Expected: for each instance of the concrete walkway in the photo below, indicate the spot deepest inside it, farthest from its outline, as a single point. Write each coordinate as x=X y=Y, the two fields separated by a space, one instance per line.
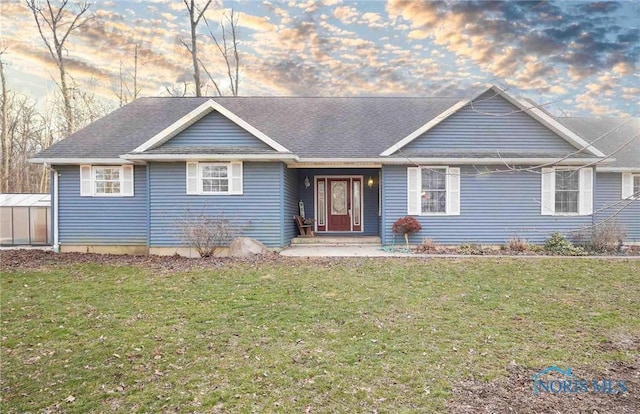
x=372 y=250
x=353 y=250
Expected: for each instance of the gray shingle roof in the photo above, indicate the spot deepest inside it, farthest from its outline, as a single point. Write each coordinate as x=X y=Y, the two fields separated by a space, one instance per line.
x=619 y=141
x=309 y=127
x=122 y=130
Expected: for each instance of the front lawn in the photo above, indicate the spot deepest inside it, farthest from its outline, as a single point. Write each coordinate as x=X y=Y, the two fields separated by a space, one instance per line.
x=301 y=335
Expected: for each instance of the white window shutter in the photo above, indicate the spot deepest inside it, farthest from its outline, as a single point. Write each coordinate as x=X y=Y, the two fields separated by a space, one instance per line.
x=548 y=193
x=585 y=207
x=235 y=178
x=85 y=181
x=414 y=184
x=192 y=178
x=627 y=185
x=127 y=180
x=453 y=191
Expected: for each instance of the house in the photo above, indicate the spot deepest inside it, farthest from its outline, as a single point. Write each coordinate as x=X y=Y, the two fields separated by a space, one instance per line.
x=482 y=169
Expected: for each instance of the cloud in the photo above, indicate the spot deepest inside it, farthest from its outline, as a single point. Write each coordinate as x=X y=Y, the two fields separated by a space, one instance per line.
x=345 y=14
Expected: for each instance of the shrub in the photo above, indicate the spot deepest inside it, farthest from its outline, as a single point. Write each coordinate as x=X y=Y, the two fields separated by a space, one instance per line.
x=607 y=237
x=558 y=244
x=427 y=246
x=406 y=225
x=518 y=244
x=471 y=248
x=206 y=234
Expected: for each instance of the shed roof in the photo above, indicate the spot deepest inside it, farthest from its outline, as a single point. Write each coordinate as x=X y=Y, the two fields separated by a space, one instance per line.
x=25 y=200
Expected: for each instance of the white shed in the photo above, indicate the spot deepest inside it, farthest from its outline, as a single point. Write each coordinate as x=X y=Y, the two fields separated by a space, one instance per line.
x=25 y=219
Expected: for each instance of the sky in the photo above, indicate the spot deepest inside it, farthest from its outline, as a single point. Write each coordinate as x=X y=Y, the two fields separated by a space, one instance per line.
x=577 y=58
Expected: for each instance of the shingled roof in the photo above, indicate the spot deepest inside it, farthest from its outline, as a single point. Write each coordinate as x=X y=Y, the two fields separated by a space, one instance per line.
x=618 y=138
x=310 y=127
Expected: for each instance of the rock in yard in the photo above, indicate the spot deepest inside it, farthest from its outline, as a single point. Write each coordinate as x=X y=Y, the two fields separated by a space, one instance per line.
x=245 y=247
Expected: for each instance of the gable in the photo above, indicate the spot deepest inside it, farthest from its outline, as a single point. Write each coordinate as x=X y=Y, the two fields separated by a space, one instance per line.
x=215 y=129
x=490 y=123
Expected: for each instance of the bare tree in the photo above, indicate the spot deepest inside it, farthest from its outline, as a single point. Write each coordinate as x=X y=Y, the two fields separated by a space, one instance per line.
x=6 y=143
x=59 y=22
x=177 y=90
x=128 y=91
x=228 y=50
x=195 y=14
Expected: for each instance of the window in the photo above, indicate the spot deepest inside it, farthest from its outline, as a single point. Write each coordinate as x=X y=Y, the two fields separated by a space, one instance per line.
x=214 y=178
x=433 y=191
x=567 y=191
x=631 y=185
x=106 y=180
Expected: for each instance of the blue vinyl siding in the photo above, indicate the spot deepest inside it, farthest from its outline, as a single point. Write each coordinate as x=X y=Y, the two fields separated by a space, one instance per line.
x=215 y=129
x=370 y=195
x=487 y=126
x=257 y=212
x=101 y=220
x=493 y=209
x=289 y=204
x=608 y=198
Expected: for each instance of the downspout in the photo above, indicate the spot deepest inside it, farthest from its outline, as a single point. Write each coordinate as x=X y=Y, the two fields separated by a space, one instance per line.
x=54 y=207
x=148 y=174
x=282 y=205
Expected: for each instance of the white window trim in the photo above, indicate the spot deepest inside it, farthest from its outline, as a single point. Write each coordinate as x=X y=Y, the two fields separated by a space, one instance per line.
x=585 y=196
x=452 y=206
x=627 y=186
x=236 y=182
x=88 y=181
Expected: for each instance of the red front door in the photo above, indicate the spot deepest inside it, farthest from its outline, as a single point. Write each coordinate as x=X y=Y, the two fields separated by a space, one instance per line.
x=339 y=204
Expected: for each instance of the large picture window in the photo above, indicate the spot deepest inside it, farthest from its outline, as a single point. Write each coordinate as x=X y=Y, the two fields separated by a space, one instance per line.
x=106 y=180
x=214 y=178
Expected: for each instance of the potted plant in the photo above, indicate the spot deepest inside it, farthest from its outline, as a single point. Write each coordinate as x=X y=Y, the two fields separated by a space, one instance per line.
x=406 y=225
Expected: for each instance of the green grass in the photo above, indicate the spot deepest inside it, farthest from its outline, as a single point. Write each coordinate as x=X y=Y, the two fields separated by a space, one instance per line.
x=288 y=336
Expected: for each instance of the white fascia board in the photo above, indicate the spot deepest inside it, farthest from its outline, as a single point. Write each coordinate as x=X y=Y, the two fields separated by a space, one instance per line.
x=435 y=121
x=618 y=169
x=198 y=113
x=79 y=161
x=210 y=157
x=549 y=122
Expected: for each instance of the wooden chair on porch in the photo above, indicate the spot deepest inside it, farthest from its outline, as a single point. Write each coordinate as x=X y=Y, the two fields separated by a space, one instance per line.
x=306 y=230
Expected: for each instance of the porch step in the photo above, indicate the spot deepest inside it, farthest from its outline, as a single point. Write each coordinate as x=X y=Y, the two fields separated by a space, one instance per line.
x=336 y=240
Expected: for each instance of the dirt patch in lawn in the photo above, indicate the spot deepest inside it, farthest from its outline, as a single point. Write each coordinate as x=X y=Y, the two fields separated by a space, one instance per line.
x=36 y=259
x=514 y=394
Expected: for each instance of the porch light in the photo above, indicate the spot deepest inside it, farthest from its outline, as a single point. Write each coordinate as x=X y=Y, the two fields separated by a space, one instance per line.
x=307 y=184
x=370 y=182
